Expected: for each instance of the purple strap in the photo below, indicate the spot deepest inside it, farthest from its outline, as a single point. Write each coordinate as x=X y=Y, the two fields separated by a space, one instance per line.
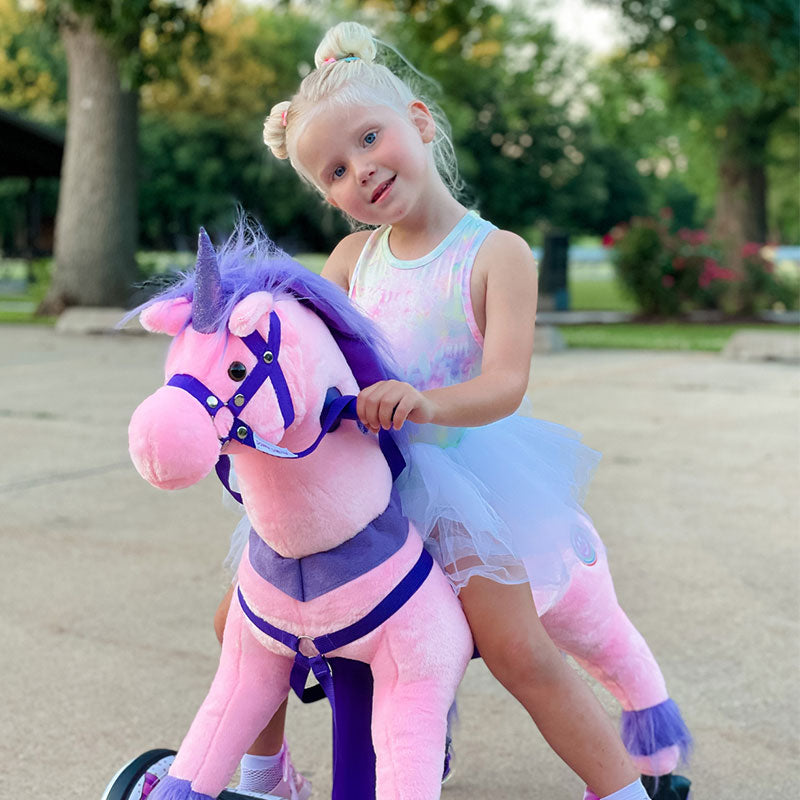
x=325 y=643
x=268 y=369
x=198 y=390
x=343 y=407
x=223 y=469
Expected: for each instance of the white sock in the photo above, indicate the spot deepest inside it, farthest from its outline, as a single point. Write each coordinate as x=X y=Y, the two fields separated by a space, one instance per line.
x=633 y=792
x=261 y=773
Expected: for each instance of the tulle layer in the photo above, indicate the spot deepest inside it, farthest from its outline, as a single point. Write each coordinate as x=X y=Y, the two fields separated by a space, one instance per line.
x=503 y=494
x=502 y=501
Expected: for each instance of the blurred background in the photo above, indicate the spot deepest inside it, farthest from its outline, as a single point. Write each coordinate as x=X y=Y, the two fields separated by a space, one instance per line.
x=646 y=149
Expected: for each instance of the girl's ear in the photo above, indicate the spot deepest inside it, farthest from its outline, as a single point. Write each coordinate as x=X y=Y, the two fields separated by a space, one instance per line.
x=331 y=201
x=422 y=119
x=248 y=312
x=166 y=316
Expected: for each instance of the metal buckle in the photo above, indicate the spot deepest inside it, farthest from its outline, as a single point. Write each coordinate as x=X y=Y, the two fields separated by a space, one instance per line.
x=310 y=646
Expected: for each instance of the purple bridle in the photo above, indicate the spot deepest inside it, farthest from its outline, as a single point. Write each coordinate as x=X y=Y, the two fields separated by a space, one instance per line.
x=268 y=368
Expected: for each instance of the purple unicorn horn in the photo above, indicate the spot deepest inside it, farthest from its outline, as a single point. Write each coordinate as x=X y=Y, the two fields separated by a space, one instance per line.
x=207 y=299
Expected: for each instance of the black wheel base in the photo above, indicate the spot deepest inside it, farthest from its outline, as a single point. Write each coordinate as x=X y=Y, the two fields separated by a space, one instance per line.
x=667 y=787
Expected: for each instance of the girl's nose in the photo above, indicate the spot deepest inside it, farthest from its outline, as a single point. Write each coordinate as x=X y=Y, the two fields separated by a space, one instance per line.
x=365 y=172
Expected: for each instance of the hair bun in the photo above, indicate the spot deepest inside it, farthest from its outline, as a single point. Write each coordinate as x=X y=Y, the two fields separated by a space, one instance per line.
x=275 y=129
x=346 y=39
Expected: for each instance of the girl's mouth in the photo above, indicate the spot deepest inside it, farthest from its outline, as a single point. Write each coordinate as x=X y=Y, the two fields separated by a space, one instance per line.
x=383 y=189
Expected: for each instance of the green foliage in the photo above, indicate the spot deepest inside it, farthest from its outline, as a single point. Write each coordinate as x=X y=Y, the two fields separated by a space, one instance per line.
x=673 y=272
x=196 y=171
x=146 y=35
x=202 y=154
x=783 y=179
x=33 y=73
x=719 y=55
x=508 y=87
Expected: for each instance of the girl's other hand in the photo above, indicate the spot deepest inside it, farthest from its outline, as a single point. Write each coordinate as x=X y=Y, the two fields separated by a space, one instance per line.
x=388 y=404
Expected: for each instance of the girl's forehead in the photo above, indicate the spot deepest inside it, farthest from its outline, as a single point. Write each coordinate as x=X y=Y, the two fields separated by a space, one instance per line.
x=336 y=123
x=346 y=116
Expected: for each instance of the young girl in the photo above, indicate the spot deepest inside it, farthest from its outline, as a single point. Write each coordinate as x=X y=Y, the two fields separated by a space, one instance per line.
x=456 y=298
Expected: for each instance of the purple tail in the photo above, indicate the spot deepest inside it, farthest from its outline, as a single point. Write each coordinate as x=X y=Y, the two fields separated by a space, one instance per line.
x=647 y=731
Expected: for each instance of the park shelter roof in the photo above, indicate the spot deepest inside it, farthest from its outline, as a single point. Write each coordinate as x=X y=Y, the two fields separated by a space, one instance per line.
x=27 y=149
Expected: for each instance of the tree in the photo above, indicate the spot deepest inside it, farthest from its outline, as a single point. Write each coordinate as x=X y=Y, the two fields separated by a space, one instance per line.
x=111 y=49
x=731 y=65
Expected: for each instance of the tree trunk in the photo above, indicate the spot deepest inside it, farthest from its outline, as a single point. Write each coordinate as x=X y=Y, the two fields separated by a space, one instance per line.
x=96 y=225
x=741 y=208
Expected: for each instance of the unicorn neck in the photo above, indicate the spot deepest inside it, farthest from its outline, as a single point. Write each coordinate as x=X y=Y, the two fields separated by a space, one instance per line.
x=308 y=505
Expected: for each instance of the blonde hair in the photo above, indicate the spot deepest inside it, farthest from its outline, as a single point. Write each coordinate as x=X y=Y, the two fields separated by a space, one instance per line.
x=347 y=73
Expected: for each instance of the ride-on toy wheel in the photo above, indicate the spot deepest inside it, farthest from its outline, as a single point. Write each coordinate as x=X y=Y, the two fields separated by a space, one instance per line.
x=139 y=777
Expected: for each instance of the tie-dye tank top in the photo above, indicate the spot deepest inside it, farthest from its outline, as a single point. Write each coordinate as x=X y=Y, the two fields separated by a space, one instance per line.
x=424 y=308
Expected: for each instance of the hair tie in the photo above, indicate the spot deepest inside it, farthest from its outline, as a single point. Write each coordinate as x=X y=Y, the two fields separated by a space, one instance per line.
x=283 y=117
x=333 y=60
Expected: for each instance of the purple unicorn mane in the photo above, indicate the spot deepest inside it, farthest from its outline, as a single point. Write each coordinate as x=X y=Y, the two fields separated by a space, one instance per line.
x=250 y=262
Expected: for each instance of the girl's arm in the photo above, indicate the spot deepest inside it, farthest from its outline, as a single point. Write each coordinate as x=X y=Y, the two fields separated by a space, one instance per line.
x=504 y=294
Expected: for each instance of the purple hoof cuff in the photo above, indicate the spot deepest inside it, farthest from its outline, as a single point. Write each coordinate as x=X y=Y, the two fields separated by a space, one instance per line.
x=652 y=729
x=170 y=788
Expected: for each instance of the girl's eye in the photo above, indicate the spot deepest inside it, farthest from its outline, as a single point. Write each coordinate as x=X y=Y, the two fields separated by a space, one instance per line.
x=338 y=172
x=370 y=137
x=237 y=371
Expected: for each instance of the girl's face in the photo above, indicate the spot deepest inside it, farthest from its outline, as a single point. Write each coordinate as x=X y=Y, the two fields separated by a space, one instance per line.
x=369 y=161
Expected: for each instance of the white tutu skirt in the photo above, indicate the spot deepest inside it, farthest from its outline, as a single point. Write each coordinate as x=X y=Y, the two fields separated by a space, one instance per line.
x=503 y=501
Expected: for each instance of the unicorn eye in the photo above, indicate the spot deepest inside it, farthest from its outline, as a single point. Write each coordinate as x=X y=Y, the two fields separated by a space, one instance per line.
x=237 y=371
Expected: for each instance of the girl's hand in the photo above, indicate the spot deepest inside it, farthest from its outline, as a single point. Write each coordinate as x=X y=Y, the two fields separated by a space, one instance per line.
x=389 y=404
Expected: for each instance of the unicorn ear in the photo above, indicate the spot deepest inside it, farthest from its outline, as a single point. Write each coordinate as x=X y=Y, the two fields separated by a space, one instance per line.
x=248 y=312
x=166 y=316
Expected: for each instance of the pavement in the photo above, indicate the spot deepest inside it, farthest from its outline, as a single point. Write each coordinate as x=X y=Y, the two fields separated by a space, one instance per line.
x=109 y=585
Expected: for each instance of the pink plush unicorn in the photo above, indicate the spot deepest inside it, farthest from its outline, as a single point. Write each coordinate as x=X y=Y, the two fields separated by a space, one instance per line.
x=264 y=364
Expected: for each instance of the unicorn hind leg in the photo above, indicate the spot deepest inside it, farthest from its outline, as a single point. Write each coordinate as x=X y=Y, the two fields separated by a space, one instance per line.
x=589 y=624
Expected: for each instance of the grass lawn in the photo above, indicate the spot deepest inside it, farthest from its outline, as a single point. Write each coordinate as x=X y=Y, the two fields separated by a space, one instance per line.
x=598 y=295
x=313 y=261
x=661 y=336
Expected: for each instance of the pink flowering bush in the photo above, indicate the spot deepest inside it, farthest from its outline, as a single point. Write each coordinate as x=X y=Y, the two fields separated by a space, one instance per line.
x=673 y=272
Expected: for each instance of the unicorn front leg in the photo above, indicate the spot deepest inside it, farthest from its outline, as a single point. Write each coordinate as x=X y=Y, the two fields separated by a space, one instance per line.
x=589 y=624
x=417 y=667
x=251 y=682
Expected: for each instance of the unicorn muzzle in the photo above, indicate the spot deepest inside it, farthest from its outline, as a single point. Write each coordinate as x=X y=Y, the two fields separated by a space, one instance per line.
x=173 y=441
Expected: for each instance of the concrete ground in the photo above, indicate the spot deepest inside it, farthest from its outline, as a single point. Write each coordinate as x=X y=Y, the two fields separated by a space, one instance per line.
x=109 y=585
